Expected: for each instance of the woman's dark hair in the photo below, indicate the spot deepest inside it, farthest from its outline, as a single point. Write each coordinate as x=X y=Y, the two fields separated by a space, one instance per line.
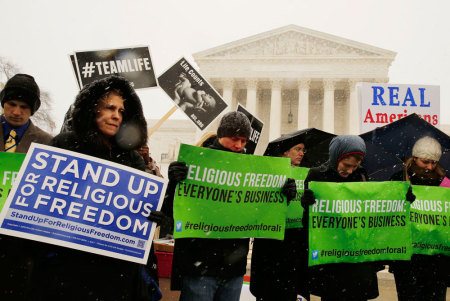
x=133 y=129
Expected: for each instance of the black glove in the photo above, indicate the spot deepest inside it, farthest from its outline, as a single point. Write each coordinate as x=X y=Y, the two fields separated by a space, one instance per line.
x=160 y=219
x=177 y=171
x=308 y=198
x=410 y=196
x=289 y=190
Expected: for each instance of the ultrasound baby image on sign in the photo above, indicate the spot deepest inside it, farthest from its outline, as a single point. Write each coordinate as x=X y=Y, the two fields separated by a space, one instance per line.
x=192 y=93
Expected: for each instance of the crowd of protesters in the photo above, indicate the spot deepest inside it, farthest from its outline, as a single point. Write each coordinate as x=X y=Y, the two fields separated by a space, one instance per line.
x=107 y=121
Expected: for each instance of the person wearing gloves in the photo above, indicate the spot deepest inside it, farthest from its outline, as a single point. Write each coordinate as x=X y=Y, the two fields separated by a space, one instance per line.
x=342 y=281
x=213 y=269
x=283 y=276
x=108 y=123
x=425 y=277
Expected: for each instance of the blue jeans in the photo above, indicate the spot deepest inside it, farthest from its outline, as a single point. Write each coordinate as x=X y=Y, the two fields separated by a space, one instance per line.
x=211 y=288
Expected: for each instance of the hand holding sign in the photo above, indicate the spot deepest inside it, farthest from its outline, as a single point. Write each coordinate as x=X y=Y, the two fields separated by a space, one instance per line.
x=160 y=219
x=308 y=198
x=289 y=190
x=177 y=172
x=410 y=196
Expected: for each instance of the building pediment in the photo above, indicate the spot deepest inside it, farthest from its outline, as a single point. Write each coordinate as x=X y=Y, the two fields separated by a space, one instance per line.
x=294 y=41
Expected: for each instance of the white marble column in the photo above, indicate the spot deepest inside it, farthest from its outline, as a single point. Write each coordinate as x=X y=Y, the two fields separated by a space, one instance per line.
x=303 y=103
x=252 y=85
x=328 y=105
x=227 y=94
x=353 y=108
x=275 y=110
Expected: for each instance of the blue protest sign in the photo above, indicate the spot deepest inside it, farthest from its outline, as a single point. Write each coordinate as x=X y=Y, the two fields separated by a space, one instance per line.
x=82 y=202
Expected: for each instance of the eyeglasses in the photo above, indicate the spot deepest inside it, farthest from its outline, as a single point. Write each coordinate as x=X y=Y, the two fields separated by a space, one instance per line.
x=299 y=149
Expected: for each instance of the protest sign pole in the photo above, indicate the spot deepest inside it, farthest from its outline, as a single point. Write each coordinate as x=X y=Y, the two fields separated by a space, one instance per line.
x=162 y=120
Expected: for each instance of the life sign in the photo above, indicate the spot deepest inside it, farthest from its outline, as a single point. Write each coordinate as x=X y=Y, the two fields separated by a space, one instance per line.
x=133 y=63
x=382 y=103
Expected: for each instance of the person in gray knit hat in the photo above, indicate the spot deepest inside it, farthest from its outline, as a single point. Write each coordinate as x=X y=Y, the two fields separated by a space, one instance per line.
x=342 y=281
x=424 y=277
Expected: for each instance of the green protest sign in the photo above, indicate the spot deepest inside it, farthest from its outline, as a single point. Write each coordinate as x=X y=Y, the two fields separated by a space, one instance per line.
x=9 y=168
x=295 y=210
x=358 y=222
x=430 y=220
x=229 y=195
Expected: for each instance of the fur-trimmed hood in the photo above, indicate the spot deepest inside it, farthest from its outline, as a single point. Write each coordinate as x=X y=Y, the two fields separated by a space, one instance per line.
x=133 y=130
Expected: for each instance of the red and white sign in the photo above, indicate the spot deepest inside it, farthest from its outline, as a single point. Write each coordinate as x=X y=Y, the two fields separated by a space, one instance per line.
x=382 y=103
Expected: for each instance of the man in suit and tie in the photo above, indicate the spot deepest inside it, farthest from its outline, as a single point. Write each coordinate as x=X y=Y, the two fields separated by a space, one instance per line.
x=20 y=99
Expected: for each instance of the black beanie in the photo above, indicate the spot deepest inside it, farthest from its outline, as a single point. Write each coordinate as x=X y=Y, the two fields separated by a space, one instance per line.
x=22 y=87
x=234 y=124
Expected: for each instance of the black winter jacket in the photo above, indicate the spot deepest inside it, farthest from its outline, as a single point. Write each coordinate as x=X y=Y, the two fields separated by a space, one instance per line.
x=279 y=267
x=341 y=281
x=225 y=258
x=68 y=274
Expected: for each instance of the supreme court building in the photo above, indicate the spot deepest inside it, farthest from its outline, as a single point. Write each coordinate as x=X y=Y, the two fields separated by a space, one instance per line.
x=291 y=78
x=294 y=78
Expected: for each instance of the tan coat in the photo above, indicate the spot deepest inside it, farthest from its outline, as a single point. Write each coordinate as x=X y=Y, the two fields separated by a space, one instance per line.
x=32 y=134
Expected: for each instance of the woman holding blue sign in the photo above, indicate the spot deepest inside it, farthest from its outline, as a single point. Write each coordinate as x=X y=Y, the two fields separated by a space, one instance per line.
x=108 y=123
x=425 y=277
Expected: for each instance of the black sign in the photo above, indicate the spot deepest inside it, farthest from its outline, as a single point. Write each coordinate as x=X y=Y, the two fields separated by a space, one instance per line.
x=135 y=64
x=192 y=93
x=74 y=66
x=257 y=126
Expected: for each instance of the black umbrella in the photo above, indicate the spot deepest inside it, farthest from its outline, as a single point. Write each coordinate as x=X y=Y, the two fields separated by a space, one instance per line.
x=316 y=143
x=389 y=146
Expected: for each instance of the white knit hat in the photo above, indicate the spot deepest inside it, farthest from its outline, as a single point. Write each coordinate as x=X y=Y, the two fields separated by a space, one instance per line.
x=427 y=148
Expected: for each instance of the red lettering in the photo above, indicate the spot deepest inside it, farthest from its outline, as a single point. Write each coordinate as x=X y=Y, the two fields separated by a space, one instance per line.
x=435 y=119
x=381 y=118
x=369 y=116
x=392 y=118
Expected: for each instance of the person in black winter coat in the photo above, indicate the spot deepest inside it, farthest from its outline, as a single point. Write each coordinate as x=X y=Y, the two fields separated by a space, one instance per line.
x=206 y=269
x=108 y=123
x=425 y=277
x=212 y=269
x=341 y=281
x=279 y=267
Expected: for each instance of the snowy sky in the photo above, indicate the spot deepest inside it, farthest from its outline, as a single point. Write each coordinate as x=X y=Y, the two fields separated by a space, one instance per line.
x=38 y=36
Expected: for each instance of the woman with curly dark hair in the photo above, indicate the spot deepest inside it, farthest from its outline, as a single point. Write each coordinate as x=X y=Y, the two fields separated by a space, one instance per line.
x=107 y=123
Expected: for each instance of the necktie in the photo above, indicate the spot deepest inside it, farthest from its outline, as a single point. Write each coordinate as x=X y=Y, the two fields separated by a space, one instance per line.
x=10 y=145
